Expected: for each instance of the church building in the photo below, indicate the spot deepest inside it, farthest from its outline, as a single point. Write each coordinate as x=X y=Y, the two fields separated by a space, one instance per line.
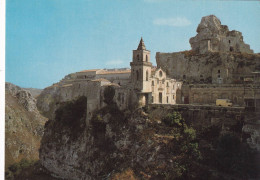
x=151 y=83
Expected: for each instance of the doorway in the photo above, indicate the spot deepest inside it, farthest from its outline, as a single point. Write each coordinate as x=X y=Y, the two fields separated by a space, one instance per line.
x=160 y=97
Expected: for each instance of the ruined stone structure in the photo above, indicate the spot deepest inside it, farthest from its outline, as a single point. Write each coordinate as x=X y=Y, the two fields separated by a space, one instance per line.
x=214 y=37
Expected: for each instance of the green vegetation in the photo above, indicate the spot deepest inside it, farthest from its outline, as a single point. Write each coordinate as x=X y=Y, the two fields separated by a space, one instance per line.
x=184 y=147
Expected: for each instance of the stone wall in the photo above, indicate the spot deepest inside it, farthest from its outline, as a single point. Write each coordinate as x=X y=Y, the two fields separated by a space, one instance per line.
x=201 y=116
x=230 y=68
x=207 y=94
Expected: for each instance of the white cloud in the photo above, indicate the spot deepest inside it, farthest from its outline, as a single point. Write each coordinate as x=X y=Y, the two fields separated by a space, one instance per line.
x=114 y=62
x=177 y=21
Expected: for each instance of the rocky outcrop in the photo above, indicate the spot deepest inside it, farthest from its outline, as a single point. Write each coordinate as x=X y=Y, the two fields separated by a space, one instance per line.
x=214 y=37
x=114 y=141
x=23 y=125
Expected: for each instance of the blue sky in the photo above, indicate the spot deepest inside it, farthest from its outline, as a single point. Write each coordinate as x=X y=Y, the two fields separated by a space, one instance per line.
x=48 y=39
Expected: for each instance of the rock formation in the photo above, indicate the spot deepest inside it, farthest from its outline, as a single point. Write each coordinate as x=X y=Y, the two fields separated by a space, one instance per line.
x=214 y=37
x=114 y=141
x=23 y=125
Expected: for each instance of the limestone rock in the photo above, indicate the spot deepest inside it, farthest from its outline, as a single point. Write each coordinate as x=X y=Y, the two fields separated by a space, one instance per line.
x=214 y=37
x=23 y=125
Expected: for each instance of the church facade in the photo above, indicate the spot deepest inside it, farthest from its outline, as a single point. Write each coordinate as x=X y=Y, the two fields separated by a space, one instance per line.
x=151 y=83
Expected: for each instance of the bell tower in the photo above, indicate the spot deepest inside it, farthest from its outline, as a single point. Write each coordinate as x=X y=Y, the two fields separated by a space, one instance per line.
x=141 y=68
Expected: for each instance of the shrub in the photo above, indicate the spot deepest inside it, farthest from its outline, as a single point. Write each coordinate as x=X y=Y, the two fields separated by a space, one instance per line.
x=184 y=145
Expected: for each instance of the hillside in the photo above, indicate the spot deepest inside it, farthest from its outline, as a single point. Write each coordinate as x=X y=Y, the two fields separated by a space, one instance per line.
x=23 y=125
x=34 y=91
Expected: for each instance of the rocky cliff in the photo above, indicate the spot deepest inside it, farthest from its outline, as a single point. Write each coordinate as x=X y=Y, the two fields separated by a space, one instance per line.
x=214 y=37
x=23 y=125
x=115 y=143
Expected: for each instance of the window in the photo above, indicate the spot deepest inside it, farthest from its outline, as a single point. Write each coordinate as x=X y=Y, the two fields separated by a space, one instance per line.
x=167 y=99
x=146 y=58
x=219 y=71
x=147 y=74
x=231 y=49
x=160 y=73
x=137 y=75
x=137 y=57
x=229 y=41
x=167 y=84
x=85 y=77
x=152 y=83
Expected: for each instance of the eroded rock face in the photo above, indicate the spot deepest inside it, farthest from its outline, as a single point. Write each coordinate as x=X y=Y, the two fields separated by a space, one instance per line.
x=23 y=125
x=72 y=149
x=214 y=37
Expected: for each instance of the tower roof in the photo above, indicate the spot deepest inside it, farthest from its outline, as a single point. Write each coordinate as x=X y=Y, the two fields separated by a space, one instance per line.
x=141 y=45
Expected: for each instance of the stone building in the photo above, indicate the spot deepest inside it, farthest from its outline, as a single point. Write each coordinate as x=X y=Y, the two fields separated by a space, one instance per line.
x=143 y=84
x=151 y=84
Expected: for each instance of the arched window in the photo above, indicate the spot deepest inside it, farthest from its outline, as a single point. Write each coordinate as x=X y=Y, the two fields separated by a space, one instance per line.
x=146 y=58
x=160 y=73
x=147 y=75
x=137 y=57
x=137 y=75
